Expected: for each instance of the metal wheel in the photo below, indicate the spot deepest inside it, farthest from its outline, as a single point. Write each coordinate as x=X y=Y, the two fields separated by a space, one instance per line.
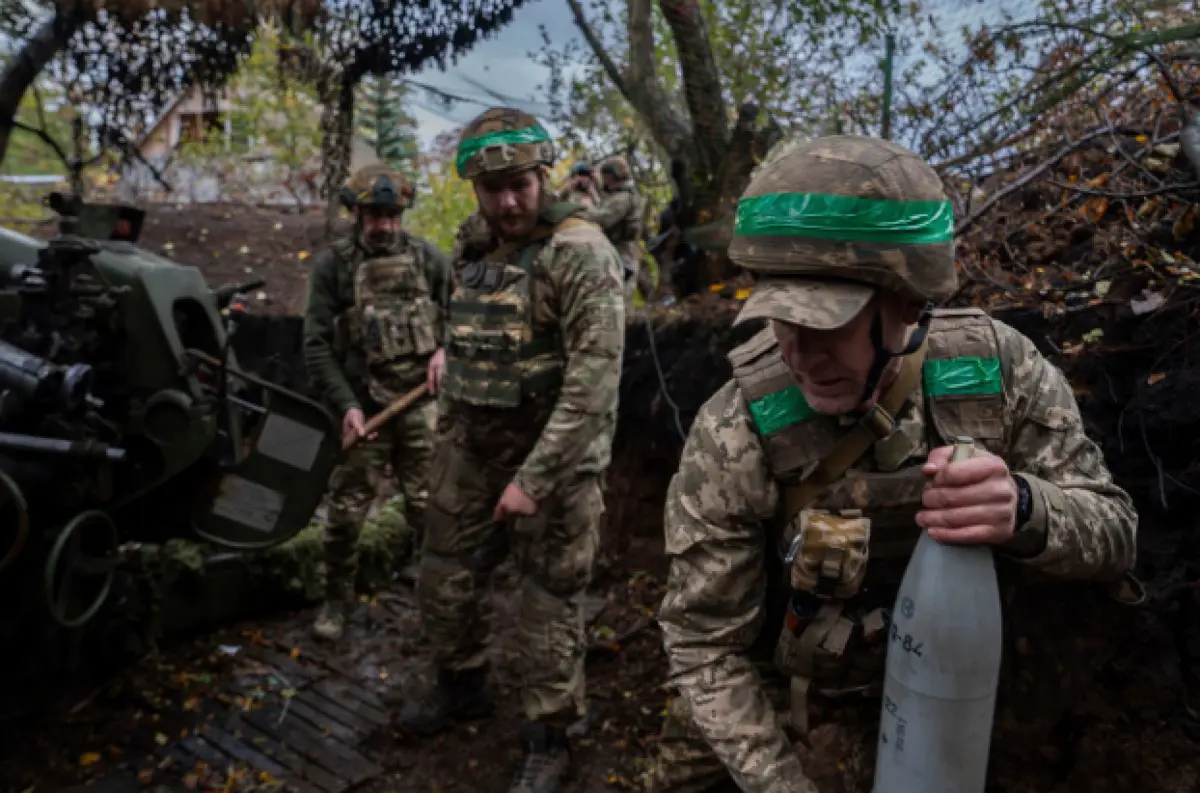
x=82 y=558
x=14 y=512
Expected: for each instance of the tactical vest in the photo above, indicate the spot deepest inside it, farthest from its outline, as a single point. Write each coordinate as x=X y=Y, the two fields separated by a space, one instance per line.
x=394 y=315
x=839 y=644
x=633 y=224
x=493 y=358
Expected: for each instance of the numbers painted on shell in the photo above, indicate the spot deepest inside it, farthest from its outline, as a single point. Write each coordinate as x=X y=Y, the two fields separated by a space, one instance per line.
x=907 y=642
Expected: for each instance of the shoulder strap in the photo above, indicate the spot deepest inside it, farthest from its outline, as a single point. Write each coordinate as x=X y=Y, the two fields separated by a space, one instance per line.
x=877 y=424
x=759 y=344
x=571 y=223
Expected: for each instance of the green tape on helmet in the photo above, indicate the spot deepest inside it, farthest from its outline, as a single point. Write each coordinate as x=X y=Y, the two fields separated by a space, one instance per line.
x=848 y=218
x=471 y=147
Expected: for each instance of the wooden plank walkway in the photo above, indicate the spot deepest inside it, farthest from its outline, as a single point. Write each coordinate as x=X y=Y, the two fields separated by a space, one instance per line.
x=301 y=721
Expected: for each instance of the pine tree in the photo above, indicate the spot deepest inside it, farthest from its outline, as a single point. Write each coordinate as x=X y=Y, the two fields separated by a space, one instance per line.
x=384 y=123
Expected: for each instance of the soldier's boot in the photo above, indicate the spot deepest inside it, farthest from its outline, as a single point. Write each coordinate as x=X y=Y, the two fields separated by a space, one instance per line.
x=331 y=621
x=410 y=570
x=547 y=759
x=454 y=697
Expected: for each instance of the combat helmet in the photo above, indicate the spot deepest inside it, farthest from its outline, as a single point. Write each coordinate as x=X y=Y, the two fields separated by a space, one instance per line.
x=827 y=222
x=854 y=212
x=503 y=139
x=377 y=185
x=615 y=166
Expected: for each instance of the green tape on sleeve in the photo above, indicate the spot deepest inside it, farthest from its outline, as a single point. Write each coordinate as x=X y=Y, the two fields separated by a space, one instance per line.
x=472 y=146
x=969 y=376
x=849 y=218
x=781 y=409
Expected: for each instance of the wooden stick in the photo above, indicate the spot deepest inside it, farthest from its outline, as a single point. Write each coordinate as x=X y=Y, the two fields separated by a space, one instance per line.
x=387 y=414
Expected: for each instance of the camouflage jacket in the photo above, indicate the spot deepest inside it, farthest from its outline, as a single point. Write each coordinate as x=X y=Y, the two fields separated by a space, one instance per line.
x=720 y=506
x=620 y=215
x=338 y=367
x=569 y=302
x=574 y=195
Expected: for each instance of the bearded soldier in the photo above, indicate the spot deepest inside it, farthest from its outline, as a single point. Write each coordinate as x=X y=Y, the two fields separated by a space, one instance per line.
x=373 y=323
x=621 y=215
x=528 y=397
x=834 y=438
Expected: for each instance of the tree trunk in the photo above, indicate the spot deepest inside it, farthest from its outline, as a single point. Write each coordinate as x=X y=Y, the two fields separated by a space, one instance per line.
x=24 y=67
x=338 y=126
x=710 y=161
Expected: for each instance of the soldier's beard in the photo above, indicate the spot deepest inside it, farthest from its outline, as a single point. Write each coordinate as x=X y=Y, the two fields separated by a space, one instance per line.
x=518 y=221
x=379 y=239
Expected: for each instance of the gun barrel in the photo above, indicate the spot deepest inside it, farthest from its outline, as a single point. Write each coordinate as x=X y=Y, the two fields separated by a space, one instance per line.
x=34 y=443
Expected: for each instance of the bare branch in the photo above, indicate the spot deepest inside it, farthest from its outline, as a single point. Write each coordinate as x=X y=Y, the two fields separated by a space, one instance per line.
x=1170 y=188
x=45 y=138
x=606 y=61
x=1025 y=179
x=23 y=67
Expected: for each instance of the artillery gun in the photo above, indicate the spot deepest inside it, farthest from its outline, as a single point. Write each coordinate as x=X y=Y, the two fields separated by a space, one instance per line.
x=124 y=419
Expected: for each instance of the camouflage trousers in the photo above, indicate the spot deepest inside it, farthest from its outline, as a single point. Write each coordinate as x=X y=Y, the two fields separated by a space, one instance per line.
x=406 y=442
x=554 y=552
x=838 y=753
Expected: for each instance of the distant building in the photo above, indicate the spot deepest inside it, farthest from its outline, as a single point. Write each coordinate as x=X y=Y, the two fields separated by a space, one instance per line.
x=250 y=178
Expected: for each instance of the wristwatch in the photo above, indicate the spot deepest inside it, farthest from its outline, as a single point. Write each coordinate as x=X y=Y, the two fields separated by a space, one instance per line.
x=1024 y=501
x=1027 y=541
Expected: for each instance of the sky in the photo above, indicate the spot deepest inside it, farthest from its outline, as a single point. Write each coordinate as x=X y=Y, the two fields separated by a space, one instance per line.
x=500 y=64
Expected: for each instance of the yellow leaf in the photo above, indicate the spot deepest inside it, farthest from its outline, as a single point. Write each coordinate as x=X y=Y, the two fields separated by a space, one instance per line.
x=89 y=758
x=1141 y=138
x=742 y=294
x=715 y=287
x=1157 y=377
x=160 y=739
x=295 y=653
x=302 y=255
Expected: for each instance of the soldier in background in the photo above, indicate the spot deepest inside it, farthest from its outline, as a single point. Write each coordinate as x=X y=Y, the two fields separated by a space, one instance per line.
x=524 y=439
x=622 y=216
x=852 y=242
x=581 y=186
x=374 y=319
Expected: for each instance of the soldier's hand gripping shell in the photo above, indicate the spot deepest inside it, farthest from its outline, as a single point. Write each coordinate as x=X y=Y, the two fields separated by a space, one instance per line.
x=968 y=502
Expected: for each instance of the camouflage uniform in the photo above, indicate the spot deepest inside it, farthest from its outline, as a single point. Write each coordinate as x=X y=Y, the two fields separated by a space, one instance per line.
x=529 y=396
x=374 y=319
x=581 y=191
x=731 y=641
x=621 y=214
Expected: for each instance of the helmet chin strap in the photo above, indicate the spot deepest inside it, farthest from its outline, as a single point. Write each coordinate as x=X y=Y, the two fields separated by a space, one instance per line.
x=883 y=356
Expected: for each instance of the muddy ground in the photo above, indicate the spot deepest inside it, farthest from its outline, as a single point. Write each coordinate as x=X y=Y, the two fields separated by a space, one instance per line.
x=1123 y=705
